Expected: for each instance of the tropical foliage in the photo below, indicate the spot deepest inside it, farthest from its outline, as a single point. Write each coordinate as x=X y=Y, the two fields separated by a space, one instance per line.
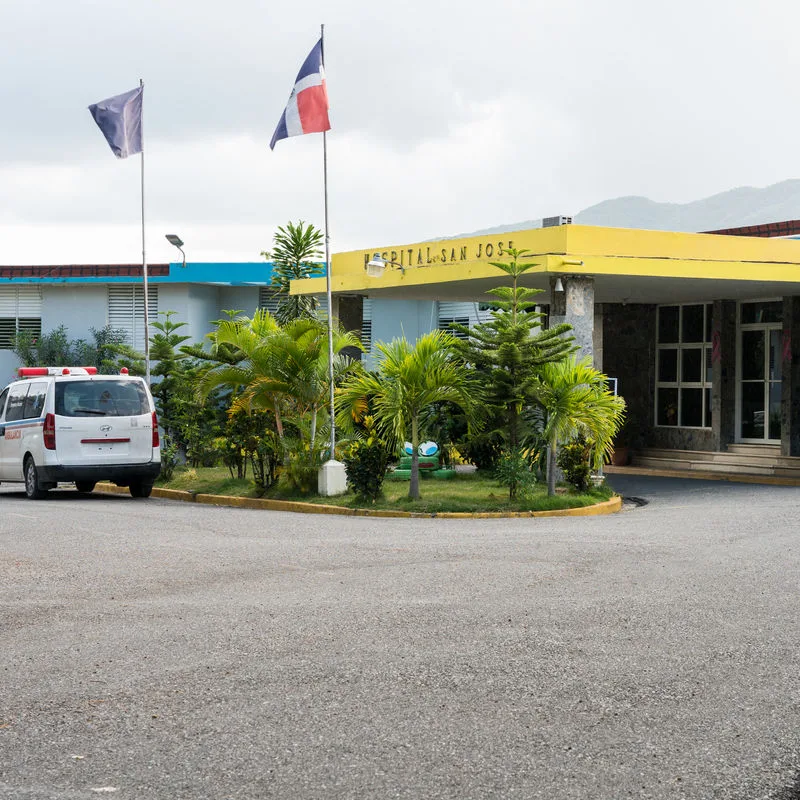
x=108 y=350
x=295 y=254
x=408 y=380
x=366 y=460
x=509 y=349
x=283 y=370
x=576 y=402
x=190 y=426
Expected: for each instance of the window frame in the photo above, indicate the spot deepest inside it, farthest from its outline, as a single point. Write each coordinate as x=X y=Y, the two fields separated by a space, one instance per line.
x=20 y=309
x=125 y=311
x=680 y=347
x=18 y=390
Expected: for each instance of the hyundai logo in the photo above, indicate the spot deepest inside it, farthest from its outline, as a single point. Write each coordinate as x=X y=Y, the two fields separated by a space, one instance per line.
x=105 y=428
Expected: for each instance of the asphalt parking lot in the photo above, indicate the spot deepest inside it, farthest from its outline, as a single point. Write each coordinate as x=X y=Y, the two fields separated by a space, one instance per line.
x=152 y=649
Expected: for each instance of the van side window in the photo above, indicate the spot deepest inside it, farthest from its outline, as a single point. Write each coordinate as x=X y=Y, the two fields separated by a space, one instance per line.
x=16 y=402
x=34 y=402
x=3 y=397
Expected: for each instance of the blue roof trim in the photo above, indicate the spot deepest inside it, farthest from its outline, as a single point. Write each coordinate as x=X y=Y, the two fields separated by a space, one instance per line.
x=231 y=273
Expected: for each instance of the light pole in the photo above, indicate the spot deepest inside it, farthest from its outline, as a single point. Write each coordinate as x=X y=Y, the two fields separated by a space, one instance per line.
x=176 y=241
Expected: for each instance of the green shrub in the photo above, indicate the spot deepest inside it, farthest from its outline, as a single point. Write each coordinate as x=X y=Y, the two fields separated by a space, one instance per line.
x=300 y=470
x=484 y=450
x=574 y=459
x=250 y=438
x=366 y=463
x=513 y=469
x=265 y=458
x=169 y=458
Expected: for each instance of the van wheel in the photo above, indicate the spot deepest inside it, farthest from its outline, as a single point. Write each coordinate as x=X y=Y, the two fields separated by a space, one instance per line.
x=140 y=489
x=84 y=487
x=33 y=489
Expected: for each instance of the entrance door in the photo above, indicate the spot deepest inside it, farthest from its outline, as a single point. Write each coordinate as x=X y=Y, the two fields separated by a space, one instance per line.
x=760 y=375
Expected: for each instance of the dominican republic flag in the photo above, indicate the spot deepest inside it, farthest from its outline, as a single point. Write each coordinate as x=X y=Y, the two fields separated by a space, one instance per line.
x=307 y=109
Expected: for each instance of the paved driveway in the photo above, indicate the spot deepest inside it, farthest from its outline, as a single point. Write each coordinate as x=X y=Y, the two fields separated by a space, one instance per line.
x=152 y=649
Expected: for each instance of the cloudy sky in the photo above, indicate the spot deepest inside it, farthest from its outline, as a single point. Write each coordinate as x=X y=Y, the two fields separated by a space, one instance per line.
x=447 y=117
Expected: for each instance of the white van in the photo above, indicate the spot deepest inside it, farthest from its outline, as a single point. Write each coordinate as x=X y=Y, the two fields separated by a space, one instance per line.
x=71 y=424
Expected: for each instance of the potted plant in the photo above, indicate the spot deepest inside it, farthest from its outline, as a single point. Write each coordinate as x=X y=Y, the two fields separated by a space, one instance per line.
x=629 y=438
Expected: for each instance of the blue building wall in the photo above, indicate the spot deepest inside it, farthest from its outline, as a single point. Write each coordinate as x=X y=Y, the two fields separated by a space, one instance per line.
x=199 y=293
x=78 y=308
x=394 y=318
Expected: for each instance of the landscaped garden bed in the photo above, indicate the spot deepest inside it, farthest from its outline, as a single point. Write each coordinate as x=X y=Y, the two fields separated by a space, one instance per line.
x=466 y=492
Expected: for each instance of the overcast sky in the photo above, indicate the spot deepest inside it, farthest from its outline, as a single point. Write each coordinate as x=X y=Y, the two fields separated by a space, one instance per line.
x=446 y=117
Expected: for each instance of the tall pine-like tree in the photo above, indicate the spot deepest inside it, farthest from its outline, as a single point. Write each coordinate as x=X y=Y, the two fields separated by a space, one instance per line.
x=510 y=349
x=296 y=254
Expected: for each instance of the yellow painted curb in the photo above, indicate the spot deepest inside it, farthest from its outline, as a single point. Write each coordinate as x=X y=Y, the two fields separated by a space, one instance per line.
x=698 y=474
x=606 y=507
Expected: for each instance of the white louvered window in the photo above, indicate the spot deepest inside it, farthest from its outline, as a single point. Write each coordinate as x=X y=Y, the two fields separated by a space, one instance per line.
x=366 y=325
x=468 y=314
x=126 y=312
x=20 y=311
x=268 y=298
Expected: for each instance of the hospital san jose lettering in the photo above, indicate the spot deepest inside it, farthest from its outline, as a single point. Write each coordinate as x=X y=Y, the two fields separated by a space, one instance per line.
x=422 y=256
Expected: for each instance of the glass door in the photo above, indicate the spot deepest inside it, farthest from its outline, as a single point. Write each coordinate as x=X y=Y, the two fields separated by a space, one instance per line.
x=760 y=383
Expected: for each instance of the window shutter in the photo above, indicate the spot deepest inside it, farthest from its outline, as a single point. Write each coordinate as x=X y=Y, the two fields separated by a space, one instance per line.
x=29 y=301
x=126 y=311
x=268 y=298
x=462 y=313
x=366 y=325
x=20 y=310
x=8 y=302
x=8 y=330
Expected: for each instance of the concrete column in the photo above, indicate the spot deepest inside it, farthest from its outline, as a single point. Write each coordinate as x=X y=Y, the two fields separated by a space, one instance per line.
x=598 y=336
x=723 y=374
x=575 y=305
x=790 y=381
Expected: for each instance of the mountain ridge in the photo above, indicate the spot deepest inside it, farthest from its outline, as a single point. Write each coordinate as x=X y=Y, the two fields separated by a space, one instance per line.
x=743 y=205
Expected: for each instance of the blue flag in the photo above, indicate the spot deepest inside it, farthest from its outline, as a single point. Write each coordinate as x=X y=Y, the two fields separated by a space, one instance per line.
x=120 y=120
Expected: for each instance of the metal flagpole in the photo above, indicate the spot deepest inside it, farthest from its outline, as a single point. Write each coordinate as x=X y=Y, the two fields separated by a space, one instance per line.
x=328 y=270
x=144 y=264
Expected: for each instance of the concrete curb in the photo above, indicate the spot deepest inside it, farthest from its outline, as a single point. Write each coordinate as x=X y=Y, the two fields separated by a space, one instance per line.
x=702 y=475
x=607 y=507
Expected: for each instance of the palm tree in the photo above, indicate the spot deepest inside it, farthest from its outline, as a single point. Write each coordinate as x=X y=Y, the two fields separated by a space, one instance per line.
x=408 y=380
x=298 y=370
x=239 y=347
x=283 y=369
x=575 y=400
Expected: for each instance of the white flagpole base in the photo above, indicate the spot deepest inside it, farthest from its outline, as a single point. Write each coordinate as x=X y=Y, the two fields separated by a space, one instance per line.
x=332 y=479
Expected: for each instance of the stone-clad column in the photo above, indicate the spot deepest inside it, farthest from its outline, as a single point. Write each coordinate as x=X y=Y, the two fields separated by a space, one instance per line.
x=723 y=374
x=790 y=380
x=575 y=305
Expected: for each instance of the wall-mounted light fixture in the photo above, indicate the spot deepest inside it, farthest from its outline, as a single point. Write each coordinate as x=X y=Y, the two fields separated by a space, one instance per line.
x=572 y=262
x=377 y=266
x=559 y=287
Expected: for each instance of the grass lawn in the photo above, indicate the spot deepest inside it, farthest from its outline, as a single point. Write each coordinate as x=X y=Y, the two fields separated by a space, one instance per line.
x=465 y=492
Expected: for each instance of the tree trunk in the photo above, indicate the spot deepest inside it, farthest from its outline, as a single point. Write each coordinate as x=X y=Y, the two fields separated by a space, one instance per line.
x=551 y=468
x=413 y=487
x=314 y=430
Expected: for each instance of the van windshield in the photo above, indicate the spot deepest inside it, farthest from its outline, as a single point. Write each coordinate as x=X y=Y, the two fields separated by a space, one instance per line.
x=101 y=398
